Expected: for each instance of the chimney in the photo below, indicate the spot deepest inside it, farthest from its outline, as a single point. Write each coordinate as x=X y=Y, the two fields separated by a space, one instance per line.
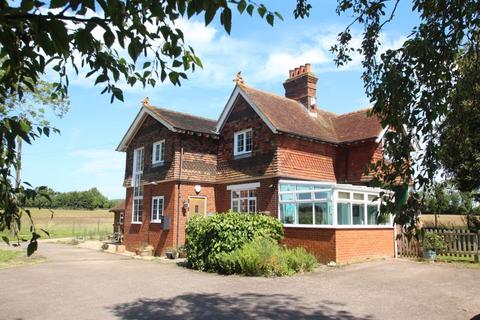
x=301 y=85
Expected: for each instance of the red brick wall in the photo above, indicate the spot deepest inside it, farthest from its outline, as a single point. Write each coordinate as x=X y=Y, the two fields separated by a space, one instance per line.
x=352 y=160
x=359 y=244
x=320 y=242
x=151 y=233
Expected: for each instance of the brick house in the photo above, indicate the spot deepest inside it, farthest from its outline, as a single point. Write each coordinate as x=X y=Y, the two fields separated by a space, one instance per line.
x=280 y=155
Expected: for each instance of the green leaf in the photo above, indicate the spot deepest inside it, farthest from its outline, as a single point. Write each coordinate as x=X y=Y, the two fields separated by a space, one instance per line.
x=32 y=247
x=270 y=19
x=241 y=6
x=109 y=38
x=250 y=9
x=227 y=19
x=210 y=14
x=6 y=240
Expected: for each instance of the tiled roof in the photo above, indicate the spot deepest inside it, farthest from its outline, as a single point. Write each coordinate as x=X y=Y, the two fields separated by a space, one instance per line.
x=356 y=126
x=290 y=116
x=120 y=206
x=184 y=121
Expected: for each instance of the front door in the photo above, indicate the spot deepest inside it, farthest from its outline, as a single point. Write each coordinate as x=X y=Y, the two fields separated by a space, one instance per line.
x=198 y=205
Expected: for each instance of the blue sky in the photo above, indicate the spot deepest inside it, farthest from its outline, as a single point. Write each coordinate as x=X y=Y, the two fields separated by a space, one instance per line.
x=84 y=156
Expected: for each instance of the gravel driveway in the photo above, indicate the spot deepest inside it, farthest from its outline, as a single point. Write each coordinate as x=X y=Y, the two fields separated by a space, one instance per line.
x=84 y=284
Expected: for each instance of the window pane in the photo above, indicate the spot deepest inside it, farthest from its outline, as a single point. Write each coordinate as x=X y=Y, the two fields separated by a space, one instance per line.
x=372 y=213
x=235 y=194
x=243 y=193
x=304 y=196
x=248 y=141
x=323 y=213
x=372 y=197
x=305 y=213
x=358 y=196
x=287 y=187
x=287 y=197
x=235 y=205
x=344 y=195
x=243 y=205
x=252 y=205
x=358 y=213
x=160 y=208
x=240 y=142
x=322 y=195
x=343 y=213
x=162 y=151
x=252 y=193
x=287 y=213
x=304 y=187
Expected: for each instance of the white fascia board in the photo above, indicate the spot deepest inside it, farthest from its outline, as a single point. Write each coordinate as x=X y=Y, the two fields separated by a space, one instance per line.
x=381 y=134
x=244 y=186
x=132 y=130
x=228 y=108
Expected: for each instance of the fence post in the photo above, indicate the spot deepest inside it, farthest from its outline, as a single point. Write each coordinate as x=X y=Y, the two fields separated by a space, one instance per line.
x=476 y=244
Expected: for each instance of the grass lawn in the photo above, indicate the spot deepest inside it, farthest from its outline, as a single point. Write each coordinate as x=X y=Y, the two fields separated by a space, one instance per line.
x=465 y=262
x=14 y=258
x=67 y=223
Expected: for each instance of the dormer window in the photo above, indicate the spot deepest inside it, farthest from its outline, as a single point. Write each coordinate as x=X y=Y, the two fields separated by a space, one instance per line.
x=242 y=142
x=158 y=152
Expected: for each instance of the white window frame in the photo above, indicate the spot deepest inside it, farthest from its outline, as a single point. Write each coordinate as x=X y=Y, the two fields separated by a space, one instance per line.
x=137 y=183
x=236 y=136
x=161 y=154
x=246 y=187
x=159 y=213
x=336 y=188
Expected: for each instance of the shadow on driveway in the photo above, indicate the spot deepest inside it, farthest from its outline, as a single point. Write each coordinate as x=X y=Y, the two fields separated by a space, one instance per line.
x=241 y=306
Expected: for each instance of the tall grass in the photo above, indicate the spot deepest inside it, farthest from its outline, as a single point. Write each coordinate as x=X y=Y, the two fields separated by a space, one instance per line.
x=85 y=224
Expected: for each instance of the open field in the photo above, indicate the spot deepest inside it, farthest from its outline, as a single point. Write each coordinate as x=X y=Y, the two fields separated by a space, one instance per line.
x=444 y=220
x=68 y=223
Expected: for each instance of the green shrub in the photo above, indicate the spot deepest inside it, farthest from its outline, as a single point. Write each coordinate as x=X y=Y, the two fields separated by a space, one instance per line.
x=264 y=257
x=208 y=237
x=433 y=241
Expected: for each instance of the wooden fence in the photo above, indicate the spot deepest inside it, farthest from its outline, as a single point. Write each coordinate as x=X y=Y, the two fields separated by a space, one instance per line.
x=460 y=243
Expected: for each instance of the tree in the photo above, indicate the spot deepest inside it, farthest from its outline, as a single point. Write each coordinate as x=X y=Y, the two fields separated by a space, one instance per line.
x=419 y=91
x=20 y=115
x=70 y=35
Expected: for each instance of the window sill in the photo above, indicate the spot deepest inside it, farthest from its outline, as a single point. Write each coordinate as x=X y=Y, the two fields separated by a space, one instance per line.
x=156 y=221
x=242 y=155
x=136 y=223
x=158 y=164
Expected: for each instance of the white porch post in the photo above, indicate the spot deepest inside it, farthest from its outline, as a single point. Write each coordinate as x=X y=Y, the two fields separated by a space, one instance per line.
x=334 y=204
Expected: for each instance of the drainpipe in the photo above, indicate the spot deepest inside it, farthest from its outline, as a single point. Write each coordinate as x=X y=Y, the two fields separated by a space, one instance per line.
x=179 y=198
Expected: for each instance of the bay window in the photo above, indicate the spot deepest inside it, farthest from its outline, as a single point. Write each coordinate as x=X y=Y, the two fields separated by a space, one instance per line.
x=326 y=204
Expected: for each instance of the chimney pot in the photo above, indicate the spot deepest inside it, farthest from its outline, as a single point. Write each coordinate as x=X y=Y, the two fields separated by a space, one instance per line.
x=302 y=86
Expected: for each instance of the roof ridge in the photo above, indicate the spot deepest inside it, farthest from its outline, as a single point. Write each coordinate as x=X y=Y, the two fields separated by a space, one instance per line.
x=352 y=112
x=182 y=113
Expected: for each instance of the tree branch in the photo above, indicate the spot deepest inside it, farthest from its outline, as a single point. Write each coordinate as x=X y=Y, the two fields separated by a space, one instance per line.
x=31 y=16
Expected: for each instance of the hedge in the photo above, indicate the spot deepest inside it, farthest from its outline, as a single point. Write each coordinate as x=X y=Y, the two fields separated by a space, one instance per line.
x=206 y=238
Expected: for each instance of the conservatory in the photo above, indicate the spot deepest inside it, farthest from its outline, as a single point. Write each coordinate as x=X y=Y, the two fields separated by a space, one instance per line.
x=308 y=204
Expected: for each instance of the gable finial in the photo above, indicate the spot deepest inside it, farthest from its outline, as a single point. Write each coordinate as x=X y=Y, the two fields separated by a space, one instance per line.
x=239 y=79
x=146 y=102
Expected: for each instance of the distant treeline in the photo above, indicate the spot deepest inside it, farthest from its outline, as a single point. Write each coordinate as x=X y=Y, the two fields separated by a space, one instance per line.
x=89 y=199
x=443 y=198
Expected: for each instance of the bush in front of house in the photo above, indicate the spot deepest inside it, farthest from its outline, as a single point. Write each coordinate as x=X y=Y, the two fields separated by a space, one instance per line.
x=264 y=257
x=206 y=238
x=434 y=242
